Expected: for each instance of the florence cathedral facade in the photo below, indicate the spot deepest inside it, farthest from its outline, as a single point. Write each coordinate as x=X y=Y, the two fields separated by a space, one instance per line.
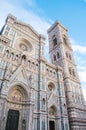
x=36 y=94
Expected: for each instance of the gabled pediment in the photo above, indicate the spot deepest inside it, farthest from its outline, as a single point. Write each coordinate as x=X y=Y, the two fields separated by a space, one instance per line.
x=23 y=27
x=26 y=28
x=20 y=75
x=52 y=100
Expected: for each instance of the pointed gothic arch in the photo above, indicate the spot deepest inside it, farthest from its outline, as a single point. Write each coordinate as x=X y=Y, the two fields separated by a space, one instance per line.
x=17 y=99
x=19 y=86
x=52 y=117
x=53 y=110
x=17 y=93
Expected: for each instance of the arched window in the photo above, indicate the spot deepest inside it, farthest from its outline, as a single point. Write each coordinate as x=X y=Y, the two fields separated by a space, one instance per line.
x=54 y=57
x=70 y=71
x=54 y=40
x=58 y=55
x=67 y=54
x=7 y=53
x=65 y=40
x=24 y=57
x=12 y=56
x=52 y=111
x=17 y=57
x=70 y=56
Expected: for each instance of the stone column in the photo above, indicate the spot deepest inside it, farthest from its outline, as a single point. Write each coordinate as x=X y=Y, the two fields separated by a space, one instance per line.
x=30 y=110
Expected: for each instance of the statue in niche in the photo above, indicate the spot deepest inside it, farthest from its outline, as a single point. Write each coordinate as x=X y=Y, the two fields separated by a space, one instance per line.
x=31 y=79
x=43 y=103
x=24 y=124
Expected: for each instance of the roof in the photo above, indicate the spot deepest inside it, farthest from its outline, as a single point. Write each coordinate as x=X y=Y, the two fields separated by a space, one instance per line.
x=56 y=24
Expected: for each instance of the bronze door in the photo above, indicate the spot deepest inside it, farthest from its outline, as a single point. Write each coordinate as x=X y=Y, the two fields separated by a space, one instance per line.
x=51 y=125
x=12 y=120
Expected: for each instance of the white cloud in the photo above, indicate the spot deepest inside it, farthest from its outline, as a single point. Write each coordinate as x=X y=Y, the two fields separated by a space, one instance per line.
x=80 y=59
x=81 y=66
x=78 y=48
x=82 y=75
x=38 y=22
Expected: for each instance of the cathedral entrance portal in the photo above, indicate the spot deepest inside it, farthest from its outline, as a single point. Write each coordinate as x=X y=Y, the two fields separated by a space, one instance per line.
x=52 y=118
x=51 y=125
x=12 y=120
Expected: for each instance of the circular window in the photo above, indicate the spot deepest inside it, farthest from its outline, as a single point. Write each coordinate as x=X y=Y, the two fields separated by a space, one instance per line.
x=23 y=47
x=51 y=87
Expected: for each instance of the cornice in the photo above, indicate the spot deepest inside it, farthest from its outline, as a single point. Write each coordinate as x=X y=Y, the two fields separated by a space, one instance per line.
x=54 y=25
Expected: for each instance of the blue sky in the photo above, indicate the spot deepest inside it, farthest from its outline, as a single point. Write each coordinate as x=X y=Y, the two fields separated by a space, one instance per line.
x=41 y=14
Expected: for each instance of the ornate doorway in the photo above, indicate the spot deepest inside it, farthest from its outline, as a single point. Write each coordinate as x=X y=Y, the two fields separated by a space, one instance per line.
x=12 y=120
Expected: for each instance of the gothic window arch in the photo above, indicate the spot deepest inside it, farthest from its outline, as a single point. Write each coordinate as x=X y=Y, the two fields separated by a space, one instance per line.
x=54 y=40
x=70 y=56
x=7 y=53
x=58 y=55
x=67 y=54
x=52 y=111
x=24 y=57
x=16 y=57
x=70 y=71
x=17 y=94
x=12 y=56
x=54 y=57
x=65 y=40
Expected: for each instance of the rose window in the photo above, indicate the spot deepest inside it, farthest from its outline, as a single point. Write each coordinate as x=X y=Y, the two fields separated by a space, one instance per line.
x=23 y=47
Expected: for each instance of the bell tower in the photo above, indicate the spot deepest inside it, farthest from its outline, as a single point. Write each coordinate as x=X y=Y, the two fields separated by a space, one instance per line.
x=61 y=54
